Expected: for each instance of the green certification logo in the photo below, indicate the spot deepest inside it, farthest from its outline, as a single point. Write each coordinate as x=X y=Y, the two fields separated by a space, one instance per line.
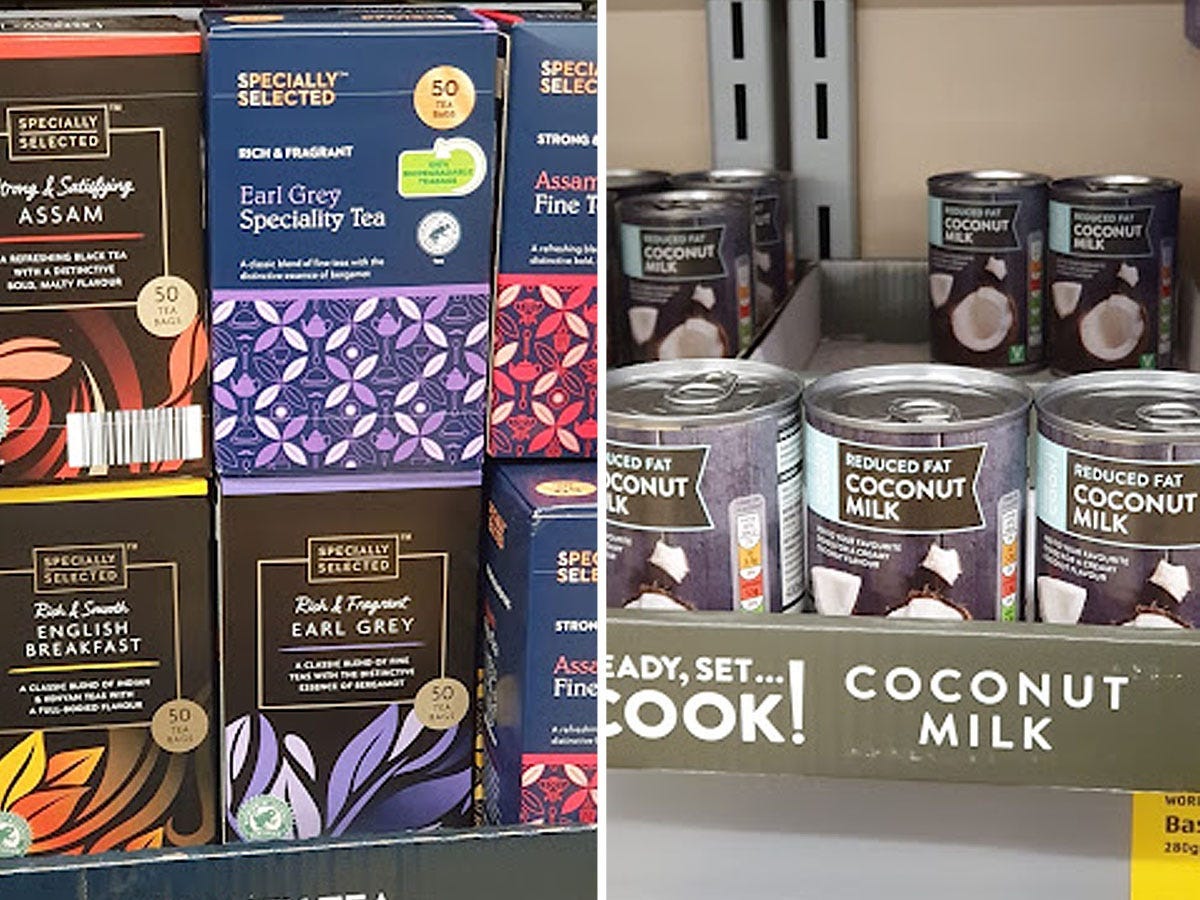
x=264 y=818
x=453 y=167
x=15 y=836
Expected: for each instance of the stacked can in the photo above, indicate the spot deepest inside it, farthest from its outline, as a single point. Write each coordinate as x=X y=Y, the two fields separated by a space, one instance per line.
x=350 y=354
x=1111 y=270
x=105 y=563
x=774 y=198
x=621 y=184
x=687 y=276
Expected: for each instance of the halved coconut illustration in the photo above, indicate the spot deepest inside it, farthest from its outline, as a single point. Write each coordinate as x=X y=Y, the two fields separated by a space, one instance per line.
x=940 y=284
x=695 y=338
x=642 y=321
x=984 y=320
x=937 y=573
x=1112 y=329
x=1153 y=617
x=1060 y=601
x=652 y=599
x=1066 y=297
x=929 y=606
x=835 y=592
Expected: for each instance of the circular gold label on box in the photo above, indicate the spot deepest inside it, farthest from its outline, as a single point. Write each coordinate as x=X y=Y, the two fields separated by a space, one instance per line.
x=444 y=97
x=565 y=488
x=167 y=305
x=179 y=726
x=442 y=703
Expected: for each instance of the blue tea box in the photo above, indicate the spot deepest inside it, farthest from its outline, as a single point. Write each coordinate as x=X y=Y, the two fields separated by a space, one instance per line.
x=351 y=158
x=540 y=568
x=544 y=372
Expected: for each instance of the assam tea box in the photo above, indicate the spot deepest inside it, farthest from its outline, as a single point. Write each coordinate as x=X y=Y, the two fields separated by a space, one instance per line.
x=108 y=732
x=350 y=173
x=544 y=393
x=540 y=570
x=103 y=344
x=348 y=615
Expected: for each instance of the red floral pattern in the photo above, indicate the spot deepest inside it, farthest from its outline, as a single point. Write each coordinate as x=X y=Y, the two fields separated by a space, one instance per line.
x=558 y=789
x=544 y=372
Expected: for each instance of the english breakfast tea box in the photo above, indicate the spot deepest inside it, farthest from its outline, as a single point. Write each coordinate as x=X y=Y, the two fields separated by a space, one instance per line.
x=540 y=569
x=348 y=617
x=108 y=730
x=103 y=344
x=544 y=365
x=350 y=173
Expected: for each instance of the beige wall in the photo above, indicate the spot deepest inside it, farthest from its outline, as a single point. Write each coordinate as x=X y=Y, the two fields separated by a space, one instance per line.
x=657 y=81
x=1060 y=87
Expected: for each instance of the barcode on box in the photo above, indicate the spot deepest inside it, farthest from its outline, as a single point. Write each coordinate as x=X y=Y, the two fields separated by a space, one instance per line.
x=125 y=437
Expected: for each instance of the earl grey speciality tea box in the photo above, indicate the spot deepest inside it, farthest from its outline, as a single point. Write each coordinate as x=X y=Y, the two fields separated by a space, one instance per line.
x=348 y=638
x=107 y=726
x=103 y=348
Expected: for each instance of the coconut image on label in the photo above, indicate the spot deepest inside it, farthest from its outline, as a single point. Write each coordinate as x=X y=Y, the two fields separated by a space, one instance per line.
x=774 y=232
x=686 y=283
x=986 y=238
x=1111 y=269
x=703 y=487
x=915 y=490
x=1118 y=494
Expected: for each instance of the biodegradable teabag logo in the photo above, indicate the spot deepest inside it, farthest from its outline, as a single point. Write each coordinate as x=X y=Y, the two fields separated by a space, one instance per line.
x=57 y=132
x=15 y=835
x=356 y=557
x=61 y=570
x=264 y=818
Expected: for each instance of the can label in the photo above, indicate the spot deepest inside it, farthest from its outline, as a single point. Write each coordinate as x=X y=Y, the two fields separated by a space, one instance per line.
x=985 y=280
x=687 y=291
x=711 y=522
x=929 y=531
x=774 y=262
x=1112 y=285
x=1117 y=538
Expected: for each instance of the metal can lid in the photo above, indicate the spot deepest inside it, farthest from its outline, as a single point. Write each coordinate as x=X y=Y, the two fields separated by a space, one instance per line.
x=670 y=206
x=737 y=179
x=689 y=393
x=622 y=180
x=1112 y=187
x=985 y=181
x=921 y=398
x=1124 y=406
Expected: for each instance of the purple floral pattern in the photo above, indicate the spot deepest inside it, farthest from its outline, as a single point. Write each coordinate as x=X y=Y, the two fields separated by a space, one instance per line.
x=324 y=381
x=392 y=774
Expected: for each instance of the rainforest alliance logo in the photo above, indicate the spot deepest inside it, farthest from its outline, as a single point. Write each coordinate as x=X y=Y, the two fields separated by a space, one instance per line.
x=265 y=818
x=15 y=836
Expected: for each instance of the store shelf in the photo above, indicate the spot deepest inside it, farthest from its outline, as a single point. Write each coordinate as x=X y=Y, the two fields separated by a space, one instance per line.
x=808 y=695
x=521 y=864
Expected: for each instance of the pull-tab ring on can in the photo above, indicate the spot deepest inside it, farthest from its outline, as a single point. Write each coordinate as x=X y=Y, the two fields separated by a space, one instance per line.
x=706 y=390
x=923 y=409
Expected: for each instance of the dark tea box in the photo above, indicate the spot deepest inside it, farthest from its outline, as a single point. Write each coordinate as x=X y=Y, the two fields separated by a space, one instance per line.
x=544 y=376
x=540 y=569
x=350 y=158
x=103 y=347
x=348 y=618
x=107 y=723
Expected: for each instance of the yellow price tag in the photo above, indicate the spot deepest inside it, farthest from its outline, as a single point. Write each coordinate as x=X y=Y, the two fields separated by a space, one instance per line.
x=1165 y=850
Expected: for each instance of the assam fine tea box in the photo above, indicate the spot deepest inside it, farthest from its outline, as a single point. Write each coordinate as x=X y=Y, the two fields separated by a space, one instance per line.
x=350 y=172
x=103 y=348
x=540 y=568
x=348 y=616
x=545 y=399
x=108 y=732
